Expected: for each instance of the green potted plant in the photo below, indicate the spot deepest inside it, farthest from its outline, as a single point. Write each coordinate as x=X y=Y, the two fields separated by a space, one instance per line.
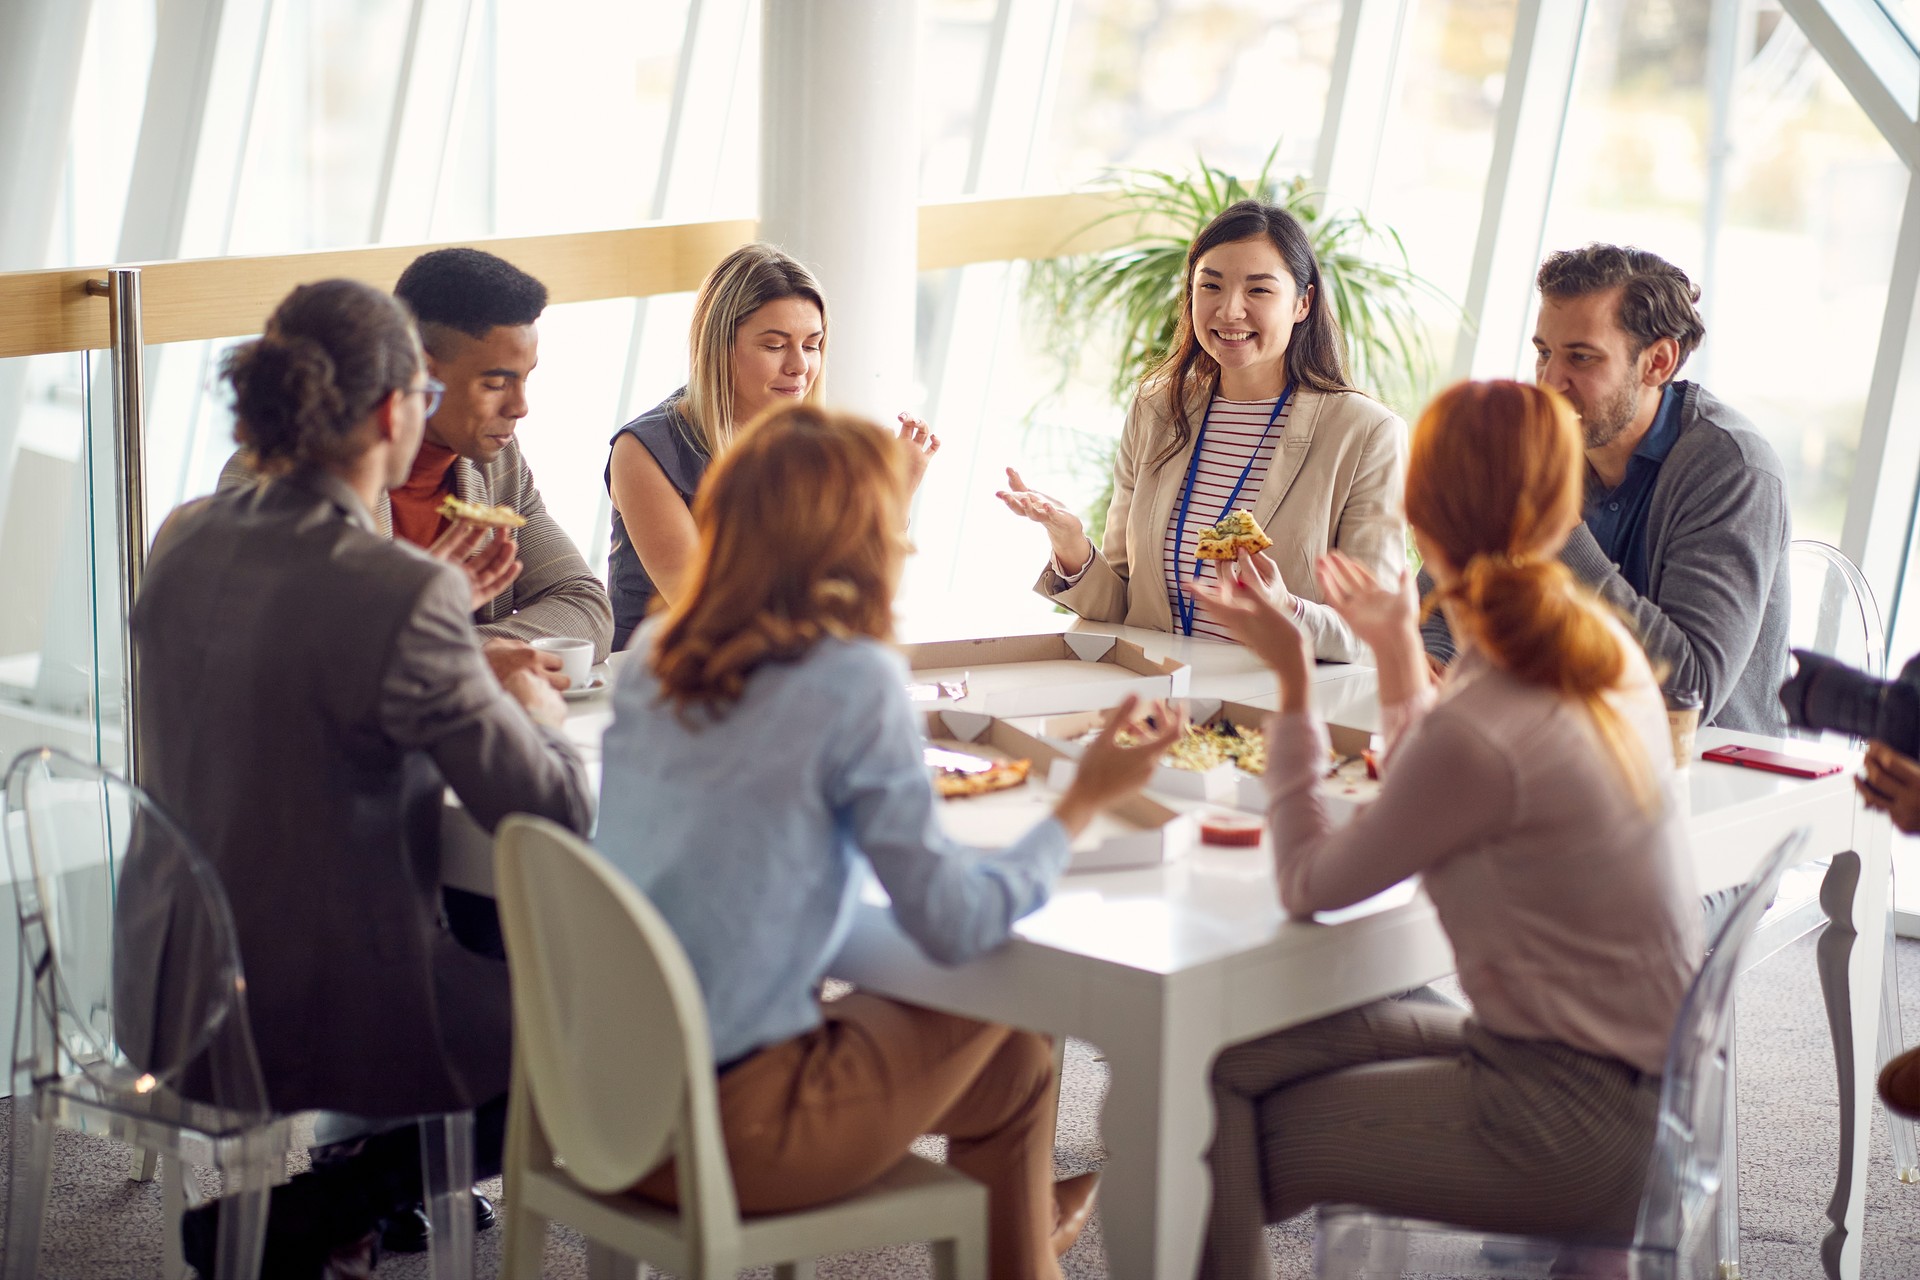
x=1127 y=298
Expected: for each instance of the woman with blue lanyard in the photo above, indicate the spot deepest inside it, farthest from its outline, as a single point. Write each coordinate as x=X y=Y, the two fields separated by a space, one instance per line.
x=1252 y=409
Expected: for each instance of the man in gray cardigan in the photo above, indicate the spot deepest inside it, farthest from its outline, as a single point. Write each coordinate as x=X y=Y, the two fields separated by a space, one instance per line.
x=1686 y=526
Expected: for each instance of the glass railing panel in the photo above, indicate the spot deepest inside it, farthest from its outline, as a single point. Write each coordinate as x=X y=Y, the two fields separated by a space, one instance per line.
x=60 y=632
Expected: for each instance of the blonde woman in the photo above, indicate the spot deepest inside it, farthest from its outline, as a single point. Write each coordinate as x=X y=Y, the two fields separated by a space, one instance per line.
x=759 y=339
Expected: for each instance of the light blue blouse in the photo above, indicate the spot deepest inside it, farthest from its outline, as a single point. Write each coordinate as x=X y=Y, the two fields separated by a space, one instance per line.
x=747 y=831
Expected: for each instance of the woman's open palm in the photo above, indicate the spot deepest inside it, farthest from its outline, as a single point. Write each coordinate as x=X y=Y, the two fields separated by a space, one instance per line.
x=1377 y=612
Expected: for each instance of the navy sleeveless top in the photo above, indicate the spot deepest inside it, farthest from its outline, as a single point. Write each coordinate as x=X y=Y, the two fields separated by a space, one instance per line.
x=669 y=437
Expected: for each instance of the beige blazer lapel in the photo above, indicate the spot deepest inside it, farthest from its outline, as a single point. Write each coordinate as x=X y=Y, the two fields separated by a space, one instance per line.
x=1303 y=413
x=1155 y=499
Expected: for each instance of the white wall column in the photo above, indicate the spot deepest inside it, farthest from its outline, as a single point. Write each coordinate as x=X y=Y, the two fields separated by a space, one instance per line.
x=839 y=179
x=1513 y=217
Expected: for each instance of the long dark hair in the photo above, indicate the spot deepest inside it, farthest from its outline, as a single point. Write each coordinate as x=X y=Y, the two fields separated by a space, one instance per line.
x=1316 y=350
x=331 y=352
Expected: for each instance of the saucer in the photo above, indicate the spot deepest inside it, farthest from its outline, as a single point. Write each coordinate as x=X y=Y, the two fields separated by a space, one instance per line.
x=596 y=683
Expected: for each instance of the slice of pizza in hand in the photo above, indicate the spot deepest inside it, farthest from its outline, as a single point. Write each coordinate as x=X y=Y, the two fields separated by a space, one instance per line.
x=1236 y=529
x=493 y=517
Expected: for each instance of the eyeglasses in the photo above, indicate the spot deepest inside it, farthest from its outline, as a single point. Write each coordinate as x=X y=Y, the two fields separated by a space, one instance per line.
x=433 y=390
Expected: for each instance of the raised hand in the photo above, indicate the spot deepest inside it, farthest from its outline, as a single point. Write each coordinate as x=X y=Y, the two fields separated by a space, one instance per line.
x=1109 y=772
x=1072 y=549
x=1381 y=615
x=1266 y=629
x=921 y=444
x=1385 y=618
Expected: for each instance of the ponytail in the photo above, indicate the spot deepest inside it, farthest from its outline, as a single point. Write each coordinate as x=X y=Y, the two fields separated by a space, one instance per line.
x=1493 y=482
x=1536 y=622
x=331 y=352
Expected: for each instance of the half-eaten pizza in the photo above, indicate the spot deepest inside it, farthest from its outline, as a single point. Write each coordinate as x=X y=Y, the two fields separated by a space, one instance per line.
x=1236 y=529
x=957 y=774
x=493 y=517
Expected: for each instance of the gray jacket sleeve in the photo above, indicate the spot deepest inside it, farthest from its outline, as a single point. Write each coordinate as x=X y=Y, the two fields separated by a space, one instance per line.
x=438 y=695
x=1715 y=573
x=1435 y=636
x=556 y=594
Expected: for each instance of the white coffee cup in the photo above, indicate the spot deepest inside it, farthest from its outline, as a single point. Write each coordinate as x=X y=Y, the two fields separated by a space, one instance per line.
x=576 y=657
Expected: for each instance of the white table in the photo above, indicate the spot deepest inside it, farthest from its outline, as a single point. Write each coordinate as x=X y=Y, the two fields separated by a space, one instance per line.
x=1162 y=968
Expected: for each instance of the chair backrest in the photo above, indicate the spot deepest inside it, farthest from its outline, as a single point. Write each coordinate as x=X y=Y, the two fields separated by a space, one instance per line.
x=128 y=954
x=609 y=1024
x=1683 y=1174
x=1834 y=610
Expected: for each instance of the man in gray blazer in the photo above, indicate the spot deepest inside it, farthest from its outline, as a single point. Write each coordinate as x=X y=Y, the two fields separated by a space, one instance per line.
x=1686 y=526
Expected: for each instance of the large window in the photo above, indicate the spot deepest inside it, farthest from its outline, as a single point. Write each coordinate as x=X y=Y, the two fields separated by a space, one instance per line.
x=1786 y=212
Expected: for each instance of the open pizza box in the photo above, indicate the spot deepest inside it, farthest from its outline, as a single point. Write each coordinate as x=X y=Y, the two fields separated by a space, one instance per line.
x=1344 y=789
x=1138 y=832
x=1038 y=675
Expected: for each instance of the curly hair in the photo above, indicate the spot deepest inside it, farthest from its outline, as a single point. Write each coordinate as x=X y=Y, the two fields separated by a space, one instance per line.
x=468 y=291
x=1656 y=298
x=331 y=352
x=801 y=526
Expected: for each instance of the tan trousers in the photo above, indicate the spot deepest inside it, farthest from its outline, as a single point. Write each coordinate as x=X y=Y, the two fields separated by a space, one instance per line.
x=820 y=1116
x=1413 y=1109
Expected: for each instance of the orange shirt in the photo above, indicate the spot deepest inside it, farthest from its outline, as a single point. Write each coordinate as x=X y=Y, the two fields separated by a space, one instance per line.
x=416 y=503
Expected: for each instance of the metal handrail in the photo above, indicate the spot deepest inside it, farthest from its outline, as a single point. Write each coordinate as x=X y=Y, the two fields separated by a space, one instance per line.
x=121 y=289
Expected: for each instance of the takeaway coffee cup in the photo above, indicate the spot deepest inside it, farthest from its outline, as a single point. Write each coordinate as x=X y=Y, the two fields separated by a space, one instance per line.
x=576 y=657
x=1683 y=721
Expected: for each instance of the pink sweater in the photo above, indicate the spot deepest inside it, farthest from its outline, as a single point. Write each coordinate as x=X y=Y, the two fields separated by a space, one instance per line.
x=1571 y=909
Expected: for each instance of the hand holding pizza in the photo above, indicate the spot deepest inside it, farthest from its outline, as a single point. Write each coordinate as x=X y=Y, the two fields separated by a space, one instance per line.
x=1072 y=549
x=490 y=572
x=1109 y=772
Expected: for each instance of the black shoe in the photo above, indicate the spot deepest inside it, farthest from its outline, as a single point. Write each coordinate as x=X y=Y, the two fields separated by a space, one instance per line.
x=409 y=1231
x=314 y=1222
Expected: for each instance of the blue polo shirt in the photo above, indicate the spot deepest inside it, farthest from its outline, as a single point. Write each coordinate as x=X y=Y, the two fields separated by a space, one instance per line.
x=1618 y=519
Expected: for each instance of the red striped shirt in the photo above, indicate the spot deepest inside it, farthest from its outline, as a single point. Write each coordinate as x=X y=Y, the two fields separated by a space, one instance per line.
x=1233 y=435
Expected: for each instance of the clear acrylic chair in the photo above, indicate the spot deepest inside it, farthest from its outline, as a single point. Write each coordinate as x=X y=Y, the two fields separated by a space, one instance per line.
x=1674 y=1234
x=132 y=1020
x=1835 y=613
x=611 y=1078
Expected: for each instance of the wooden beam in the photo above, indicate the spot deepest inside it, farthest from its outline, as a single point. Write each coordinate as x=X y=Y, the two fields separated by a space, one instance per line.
x=49 y=311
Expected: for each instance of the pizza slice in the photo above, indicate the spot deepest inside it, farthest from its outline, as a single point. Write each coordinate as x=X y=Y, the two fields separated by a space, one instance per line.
x=957 y=774
x=493 y=517
x=1236 y=529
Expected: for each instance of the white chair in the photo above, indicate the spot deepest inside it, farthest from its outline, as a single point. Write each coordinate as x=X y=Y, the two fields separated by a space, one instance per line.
x=1674 y=1226
x=613 y=1073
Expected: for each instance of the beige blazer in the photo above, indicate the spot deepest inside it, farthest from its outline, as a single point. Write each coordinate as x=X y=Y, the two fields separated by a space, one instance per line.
x=1336 y=480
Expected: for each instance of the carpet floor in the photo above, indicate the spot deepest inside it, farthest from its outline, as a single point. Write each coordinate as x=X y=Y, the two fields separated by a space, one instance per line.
x=101 y=1226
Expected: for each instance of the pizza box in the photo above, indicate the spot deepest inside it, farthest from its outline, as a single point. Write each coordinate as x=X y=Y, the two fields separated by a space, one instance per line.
x=1345 y=789
x=1038 y=675
x=1138 y=832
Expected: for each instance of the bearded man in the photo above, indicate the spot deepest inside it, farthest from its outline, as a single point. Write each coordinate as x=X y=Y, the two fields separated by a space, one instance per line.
x=1686 y=525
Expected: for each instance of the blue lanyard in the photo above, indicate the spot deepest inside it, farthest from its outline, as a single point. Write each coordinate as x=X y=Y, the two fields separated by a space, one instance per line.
x=1185 y=598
